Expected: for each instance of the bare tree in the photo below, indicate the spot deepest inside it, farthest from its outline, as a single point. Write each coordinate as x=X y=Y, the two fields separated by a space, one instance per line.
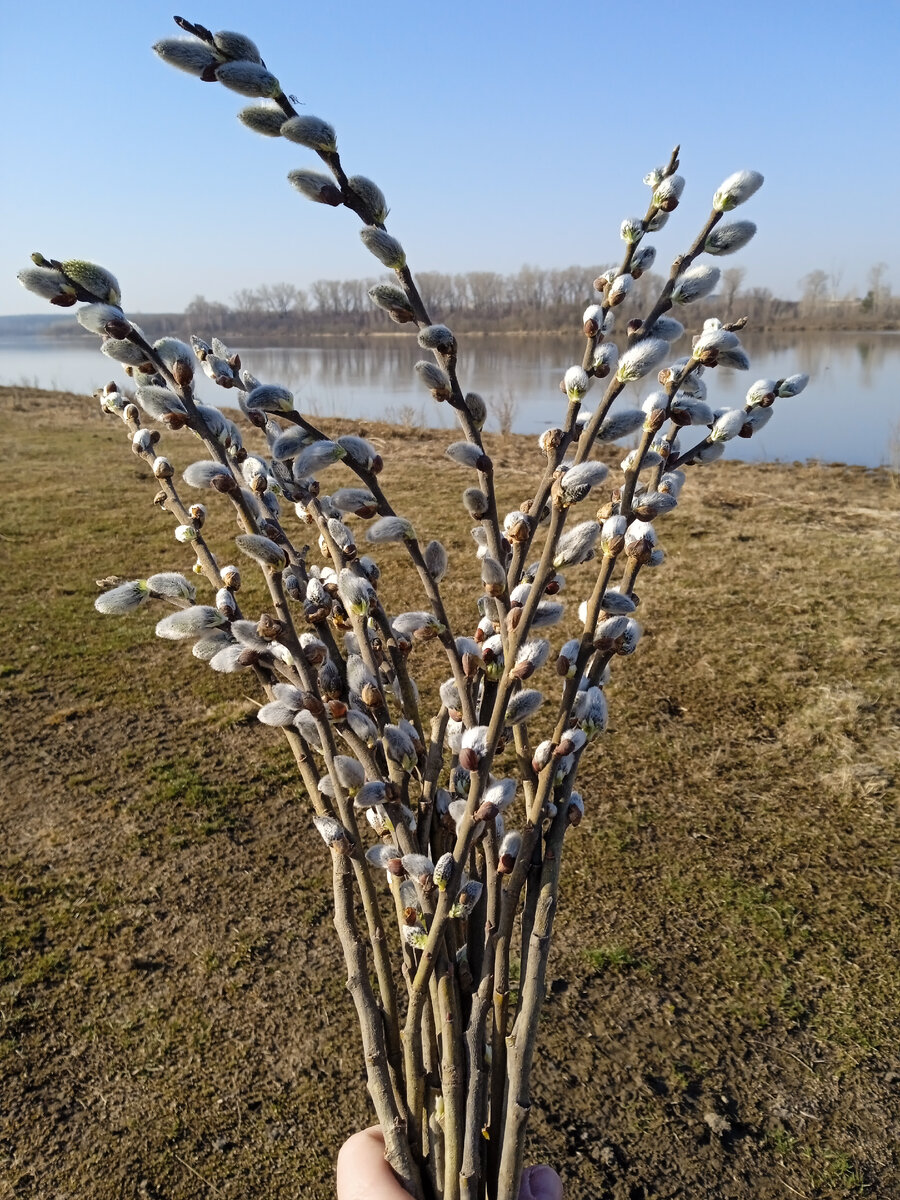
x=732 y=278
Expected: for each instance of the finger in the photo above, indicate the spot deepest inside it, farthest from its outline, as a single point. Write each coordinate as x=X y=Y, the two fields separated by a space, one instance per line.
x=363 y=1172
x=540 y=1183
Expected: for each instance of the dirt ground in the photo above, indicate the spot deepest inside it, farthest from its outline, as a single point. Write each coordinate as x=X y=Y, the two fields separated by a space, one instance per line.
x=723 y=1010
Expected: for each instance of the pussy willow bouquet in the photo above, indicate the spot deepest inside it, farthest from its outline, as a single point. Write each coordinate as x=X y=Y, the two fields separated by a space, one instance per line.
x=445 y=815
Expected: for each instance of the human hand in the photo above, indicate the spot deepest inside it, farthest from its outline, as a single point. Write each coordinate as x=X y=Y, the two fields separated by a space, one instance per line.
x=363 y=1173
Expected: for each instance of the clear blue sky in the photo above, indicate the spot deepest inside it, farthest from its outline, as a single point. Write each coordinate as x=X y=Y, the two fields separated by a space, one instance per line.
x=502 y=133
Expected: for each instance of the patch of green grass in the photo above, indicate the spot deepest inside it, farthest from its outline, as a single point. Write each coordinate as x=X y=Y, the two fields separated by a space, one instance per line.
x=612 y=958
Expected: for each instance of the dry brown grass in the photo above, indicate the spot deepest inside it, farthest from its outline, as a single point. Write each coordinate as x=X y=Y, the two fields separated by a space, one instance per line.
x=724 y=1001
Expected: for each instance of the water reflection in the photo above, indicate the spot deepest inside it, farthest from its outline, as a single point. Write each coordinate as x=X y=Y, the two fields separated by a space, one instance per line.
x=847 y=413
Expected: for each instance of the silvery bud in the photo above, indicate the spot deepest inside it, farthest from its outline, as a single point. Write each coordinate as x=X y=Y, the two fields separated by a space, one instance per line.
x=102 y=319
x=185 y=533
x=575 y=484
x=793 y=385
x=270 y=398
x=467 y=899
x=236 y=46
x=668 y=192
x=642 y=260
x=467 y=454
x=172 y=585
x=210 y=475
x=653 y=504
x=443 y=871
x=262 y=118
x=435 y=379
x=358 y=501
x=473 y=747
x=614 y=603
x=612 y=535
x=762 y=392
x=333 y=833
x=248 y=79
x=727 y=239
x=356 y=593
x=189 y=622
x=262 y=549
x=317 y=187
x=419 y=866
x=640 y=539
x=604 y=358
x=162 y=468
x=158 y=402
x=390 y=529
x=123 y=599
x=565 y=663
x=620 y=424
x=695 y=283
x=399 y=747
x=436 y=560
x=594 y=712
x=508 y=852
x=316 y=458
x=226 y=603
x=592 y=320
x=711 y=342
x=477 y=409
x=577 y=381
x=710 y=452
x=493 y=576
x=186 y=54
x=372 y=197
x=657 y=221
x=311 y=132
x=631 y=637
x=756 y=419
x=575 y=811
x=523 y=706
x=46 y=282
x=635 y=461
x=476 y=503
x=685 y=410
x=631 y=230
x=673 y=481
x=437 y=337
x=394 y=301
x=548 y=612
x=386 y=249
x=350 y=773
x=668 y=328
x=276 y=714
x=655 y=177
x=577 y=545
x=736 y=189
x=641 y=359
x=728 y=425
x=360 y=452
x=619 y=289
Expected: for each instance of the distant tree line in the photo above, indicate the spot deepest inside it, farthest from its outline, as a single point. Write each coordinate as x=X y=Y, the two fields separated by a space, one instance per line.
x=533 y=299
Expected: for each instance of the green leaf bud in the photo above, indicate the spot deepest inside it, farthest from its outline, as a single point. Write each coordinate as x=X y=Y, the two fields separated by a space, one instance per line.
x=317 y=187
x=386 y=249
x=576 y=382
x=443 y=871
x=262 y=118
x=186 y=54
x=311 y=132
x=248 y=79
x=185 y=534
x=96 y=280
x=632 y=230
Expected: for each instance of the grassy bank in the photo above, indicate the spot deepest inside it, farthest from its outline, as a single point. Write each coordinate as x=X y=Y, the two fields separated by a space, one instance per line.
x=725 y=990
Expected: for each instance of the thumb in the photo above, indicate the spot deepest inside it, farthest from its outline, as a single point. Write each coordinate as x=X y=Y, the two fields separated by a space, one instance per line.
x=540 y=1183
